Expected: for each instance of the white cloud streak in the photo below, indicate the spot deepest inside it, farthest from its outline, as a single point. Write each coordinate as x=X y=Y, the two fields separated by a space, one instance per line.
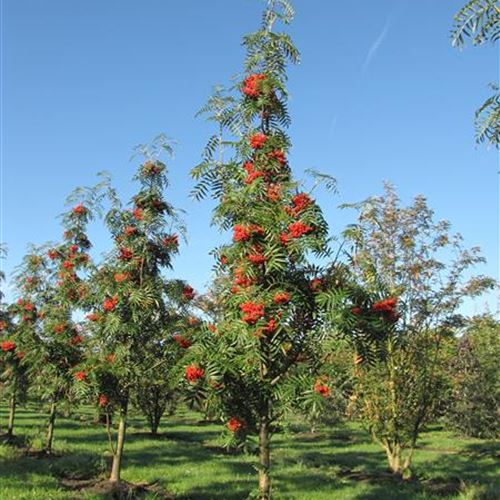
x=375 y=46
x=333 y=126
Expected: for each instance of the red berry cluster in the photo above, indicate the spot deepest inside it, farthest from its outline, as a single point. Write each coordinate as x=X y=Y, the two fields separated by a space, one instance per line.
x=387 y=308
x=257 y=140
x=235 y=424
x=321 y=388
x=79 y=209
x=252 y=85
x=125 y=253
x=252 y=174
x=281 y=298
x=8 y=346
x=300 y=202
x=80 y=376
x=252 y=312
x=257 y=257
x=298 y=229
x=110 y=303
x=245 y=232
x=181 y=341
x=188 y=292
x=171 y=241
x=194 y=373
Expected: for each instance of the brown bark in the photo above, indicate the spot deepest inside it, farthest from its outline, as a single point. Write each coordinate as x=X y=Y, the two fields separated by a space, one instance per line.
x=50 y=428
x=120 y=442
x=265 y=461
x=12 y=415
x=154 y=428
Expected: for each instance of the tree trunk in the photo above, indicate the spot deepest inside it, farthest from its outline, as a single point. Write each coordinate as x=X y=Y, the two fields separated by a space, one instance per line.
x=12 y=415
x=102 y=418
x=154 y=424
x=117 y=456
x=265 y=462
x=408 y=460
x=50 y=428
x=398 y=463
x=394 y=458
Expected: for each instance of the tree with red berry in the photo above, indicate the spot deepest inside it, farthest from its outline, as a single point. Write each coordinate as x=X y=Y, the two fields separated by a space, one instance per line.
x=138 y=318
x=159 y=390
x=51 y=281
x=13 y=379
x=258 y=357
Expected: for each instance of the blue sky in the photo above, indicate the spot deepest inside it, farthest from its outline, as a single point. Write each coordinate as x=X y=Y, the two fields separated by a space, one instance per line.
x=379 y=95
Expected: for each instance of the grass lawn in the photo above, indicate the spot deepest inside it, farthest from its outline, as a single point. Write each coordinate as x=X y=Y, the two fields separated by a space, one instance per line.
x=186 y=461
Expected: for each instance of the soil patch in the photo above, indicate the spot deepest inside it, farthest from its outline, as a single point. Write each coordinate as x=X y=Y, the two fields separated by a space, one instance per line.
x=122 y=490
x=443 y=487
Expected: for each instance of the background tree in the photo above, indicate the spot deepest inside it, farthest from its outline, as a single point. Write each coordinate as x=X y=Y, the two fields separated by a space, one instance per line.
x=328 y=402
x=479 y=20
x=20 y=323
x=6 y=326
x=474 y=408
x=135 y=308
x=416 y=275
x=52 y=281
x=13 y=377
x=159 y=391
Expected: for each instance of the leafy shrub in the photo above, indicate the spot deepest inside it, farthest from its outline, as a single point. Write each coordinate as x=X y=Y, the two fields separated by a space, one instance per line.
x=474 y=409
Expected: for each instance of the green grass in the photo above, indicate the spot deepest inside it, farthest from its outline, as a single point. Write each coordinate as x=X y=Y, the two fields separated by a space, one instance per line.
x=336 y=463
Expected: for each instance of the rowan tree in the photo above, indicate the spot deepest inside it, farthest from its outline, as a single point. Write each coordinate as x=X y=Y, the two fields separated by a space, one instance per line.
x=333 y=388
x=256 y=358
x=13 y=380
x=23 y=324
x=5 y=320
x=13 y=377
x=51 y=281
x=158 y=391
x=479 y=21
x=136 y=311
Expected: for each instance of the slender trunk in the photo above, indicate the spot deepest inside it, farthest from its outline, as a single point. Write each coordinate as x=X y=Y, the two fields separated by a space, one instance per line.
x=155 y=411
x=50 y=428
x=395 y=463
x=12 y=415
x=265 y=461
x=394 y=458
x=394 y=449
x=154 y=424
x=120 y=441
x=407 y=461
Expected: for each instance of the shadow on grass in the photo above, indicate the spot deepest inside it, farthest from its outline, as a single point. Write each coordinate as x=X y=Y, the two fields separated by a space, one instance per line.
x=485 y=449
x=14 y=440
x=79 y=464
x=171 y=435
x=371 y=462
x=326 y=461
x=474 y=464
x=236 y=490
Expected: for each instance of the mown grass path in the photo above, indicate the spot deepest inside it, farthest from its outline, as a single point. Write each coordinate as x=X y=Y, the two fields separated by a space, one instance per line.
x=186 y=461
